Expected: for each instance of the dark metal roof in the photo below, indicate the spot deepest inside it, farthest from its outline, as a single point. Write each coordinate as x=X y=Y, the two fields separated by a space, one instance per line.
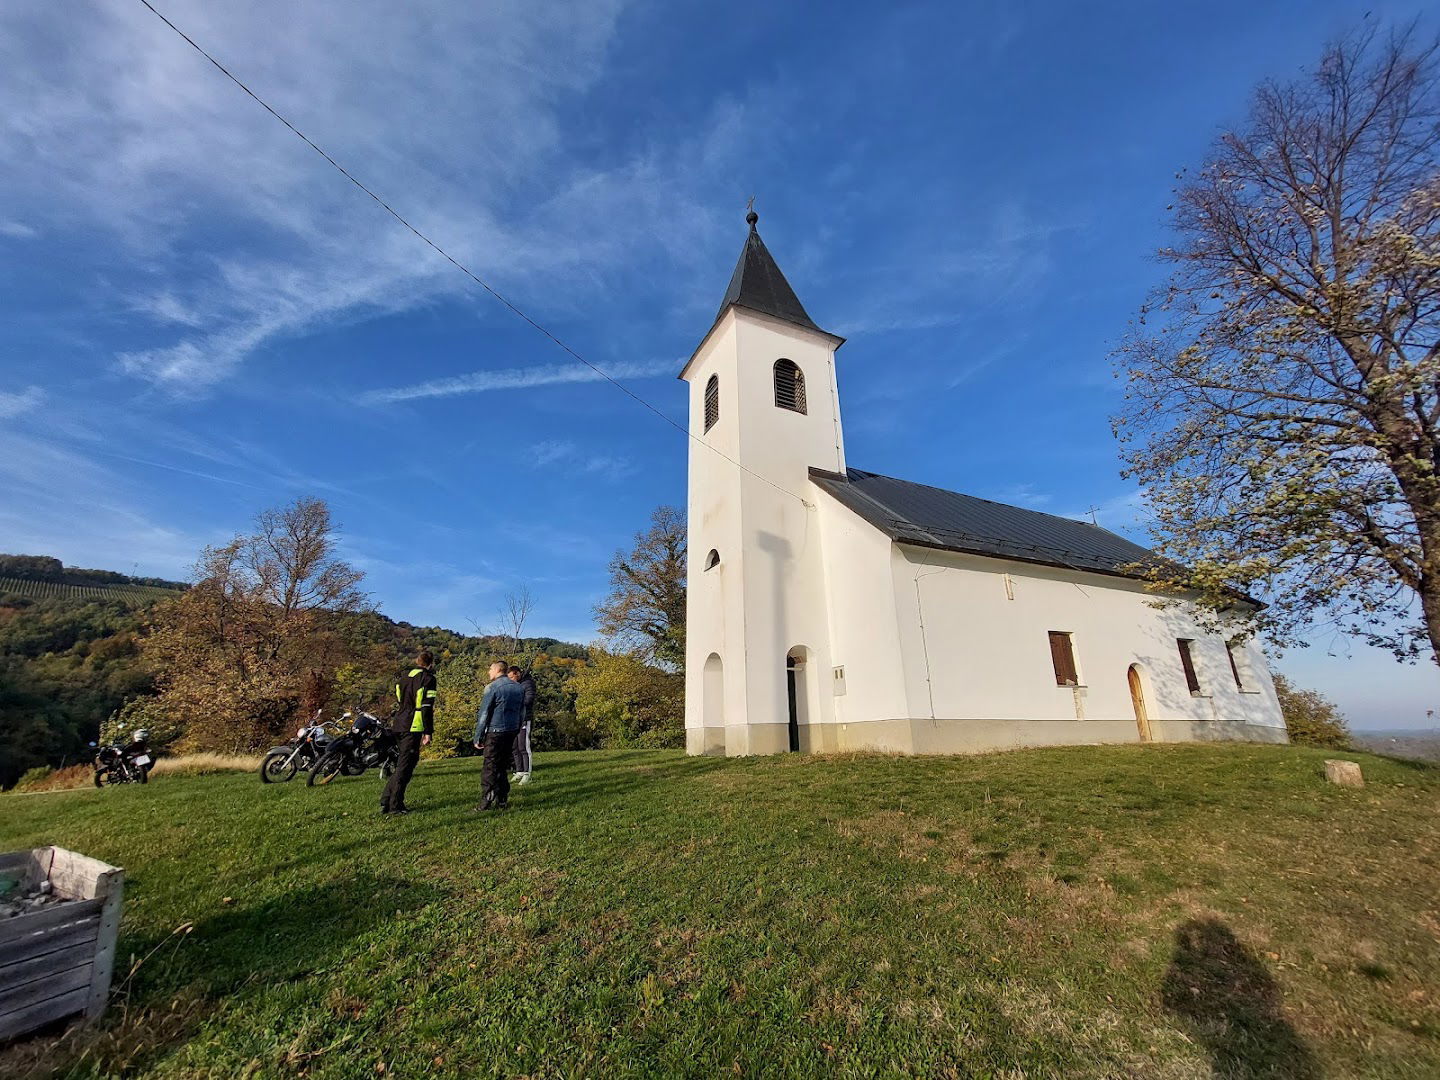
x=758 y=284
x=936 y=518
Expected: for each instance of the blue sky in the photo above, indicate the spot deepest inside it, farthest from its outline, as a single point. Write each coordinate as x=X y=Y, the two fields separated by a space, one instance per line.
x=199 y=318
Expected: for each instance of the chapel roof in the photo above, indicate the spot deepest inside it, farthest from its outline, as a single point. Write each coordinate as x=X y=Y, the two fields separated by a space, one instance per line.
x=933 y=517
x=758 y=284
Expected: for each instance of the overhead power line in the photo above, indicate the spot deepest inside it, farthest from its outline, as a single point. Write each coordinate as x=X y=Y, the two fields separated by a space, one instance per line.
x=454 y=261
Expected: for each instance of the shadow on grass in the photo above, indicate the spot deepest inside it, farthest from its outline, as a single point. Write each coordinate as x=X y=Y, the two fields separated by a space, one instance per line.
x=166 y=984
x=632 y=774
x=1232 y=1005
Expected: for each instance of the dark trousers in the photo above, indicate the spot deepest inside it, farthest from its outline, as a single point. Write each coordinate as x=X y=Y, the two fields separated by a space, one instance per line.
x=407 y=753
x=495 y=776
x=521 y=757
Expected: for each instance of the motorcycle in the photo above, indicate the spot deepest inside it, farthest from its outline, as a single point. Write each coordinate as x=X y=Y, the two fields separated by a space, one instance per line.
x=301 y=753
x=368 y=744
x=128 y=764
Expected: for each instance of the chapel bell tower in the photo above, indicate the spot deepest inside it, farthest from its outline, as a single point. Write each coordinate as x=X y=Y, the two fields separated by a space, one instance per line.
x=764 y=411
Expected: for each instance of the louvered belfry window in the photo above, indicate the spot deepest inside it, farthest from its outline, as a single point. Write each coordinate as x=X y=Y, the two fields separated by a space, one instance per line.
x=712 y=401
x=789 y=386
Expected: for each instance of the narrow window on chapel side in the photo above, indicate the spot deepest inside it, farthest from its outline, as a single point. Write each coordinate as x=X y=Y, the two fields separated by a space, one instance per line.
x=1187 y=661
x=1062 y=655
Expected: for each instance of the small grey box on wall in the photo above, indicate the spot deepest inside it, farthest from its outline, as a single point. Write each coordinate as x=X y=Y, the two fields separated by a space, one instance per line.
x=839 y=673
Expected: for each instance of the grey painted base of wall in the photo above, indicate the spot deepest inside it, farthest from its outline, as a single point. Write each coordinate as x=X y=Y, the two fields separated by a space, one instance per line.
x=926 y=736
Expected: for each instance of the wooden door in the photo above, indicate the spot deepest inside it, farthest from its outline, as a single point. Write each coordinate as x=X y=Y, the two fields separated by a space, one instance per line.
x=1137 y=699
x=790 y=673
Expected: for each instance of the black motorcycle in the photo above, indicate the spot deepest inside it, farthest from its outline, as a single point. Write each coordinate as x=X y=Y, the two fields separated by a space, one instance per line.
x=300 y=753
x=369 y=744
x=128 y=764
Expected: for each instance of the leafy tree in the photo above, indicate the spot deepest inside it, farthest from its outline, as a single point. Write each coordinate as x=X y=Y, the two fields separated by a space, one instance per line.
x=1283 y=399
x=1311 y=719
x=645 y=611
x=620 y=700
x=252 y=645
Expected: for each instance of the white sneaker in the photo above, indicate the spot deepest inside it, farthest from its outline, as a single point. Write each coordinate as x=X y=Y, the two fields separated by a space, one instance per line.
x=520 y=778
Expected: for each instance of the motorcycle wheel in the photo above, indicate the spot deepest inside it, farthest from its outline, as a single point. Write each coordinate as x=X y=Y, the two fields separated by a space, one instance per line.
x=102 y=777
x=325 y=770
x=275 y=770
x=142 y=774
x=387 y=770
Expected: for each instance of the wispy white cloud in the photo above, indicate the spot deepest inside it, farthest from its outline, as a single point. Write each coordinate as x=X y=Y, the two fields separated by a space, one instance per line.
x=606 y=466
x=45 y=483
x=19 y=402
x=479 y=382
x=943 y=275
x=17 y=230
x=242 y=234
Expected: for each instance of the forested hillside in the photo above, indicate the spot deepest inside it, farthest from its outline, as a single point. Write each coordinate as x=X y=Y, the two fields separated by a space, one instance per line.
x=275 y=628
x=69 y=663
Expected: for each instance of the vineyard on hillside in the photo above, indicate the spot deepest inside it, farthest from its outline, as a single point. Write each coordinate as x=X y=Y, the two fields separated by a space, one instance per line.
x=138 y=595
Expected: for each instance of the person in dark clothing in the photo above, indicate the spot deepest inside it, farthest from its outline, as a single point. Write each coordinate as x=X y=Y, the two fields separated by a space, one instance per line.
x=414 y=722
x=522 y=763
x=497 y=722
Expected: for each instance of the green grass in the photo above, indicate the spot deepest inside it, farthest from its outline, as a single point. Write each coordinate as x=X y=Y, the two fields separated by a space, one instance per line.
x=136 y=595
x=1132 y=911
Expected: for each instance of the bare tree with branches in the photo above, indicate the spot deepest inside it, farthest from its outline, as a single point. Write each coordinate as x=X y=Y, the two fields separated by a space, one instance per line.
x=1283 y=389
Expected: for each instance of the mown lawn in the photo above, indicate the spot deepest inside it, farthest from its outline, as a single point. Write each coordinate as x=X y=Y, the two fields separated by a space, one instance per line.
x=1133 y=911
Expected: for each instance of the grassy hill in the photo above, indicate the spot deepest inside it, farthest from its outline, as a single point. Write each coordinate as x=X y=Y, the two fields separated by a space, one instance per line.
x=1131 y=911
x=135 y=595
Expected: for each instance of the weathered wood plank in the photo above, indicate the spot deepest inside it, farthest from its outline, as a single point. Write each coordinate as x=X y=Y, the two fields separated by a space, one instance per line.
x=58 y=960
x=111 y=886
x=41 y=1012
x=64 y=937
x=45 y=987
x=71 y=873
x=13 y=975
x=22 y=926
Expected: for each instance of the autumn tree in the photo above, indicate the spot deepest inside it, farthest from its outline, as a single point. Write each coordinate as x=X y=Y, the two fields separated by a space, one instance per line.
x=1310 y=718
x=620 y=700
x=644 y=612
x=1283 y=395
x=250 y=647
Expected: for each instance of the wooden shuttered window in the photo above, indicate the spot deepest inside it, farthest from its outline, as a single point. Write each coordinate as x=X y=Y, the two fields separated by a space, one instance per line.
x=1230 y=647
x=712 y=401
x=1062 y=655
x=789 y=386
x=1188 y=663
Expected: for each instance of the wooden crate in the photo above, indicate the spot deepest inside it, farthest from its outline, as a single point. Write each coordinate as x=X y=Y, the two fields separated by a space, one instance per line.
x=57 y=961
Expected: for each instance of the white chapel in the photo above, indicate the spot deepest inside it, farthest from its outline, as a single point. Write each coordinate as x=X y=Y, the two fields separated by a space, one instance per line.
x=835 y=609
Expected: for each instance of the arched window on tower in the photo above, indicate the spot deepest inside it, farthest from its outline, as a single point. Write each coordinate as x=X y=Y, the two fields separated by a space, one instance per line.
x=712 y=560
x=712 y=401
x=789 y=386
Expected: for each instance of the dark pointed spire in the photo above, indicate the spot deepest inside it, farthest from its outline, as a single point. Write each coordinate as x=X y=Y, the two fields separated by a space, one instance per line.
x=758 y=284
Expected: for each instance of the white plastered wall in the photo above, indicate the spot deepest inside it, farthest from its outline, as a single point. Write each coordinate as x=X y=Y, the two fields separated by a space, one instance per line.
x=767 y=597
x=984 y=651
x=946 y=652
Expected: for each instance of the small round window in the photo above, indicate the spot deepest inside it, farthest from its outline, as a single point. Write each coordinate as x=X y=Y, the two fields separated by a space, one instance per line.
x=712 y=560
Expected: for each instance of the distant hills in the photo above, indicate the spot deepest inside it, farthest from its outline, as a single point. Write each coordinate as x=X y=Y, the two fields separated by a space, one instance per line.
x=1421 y=745
x=43 y=577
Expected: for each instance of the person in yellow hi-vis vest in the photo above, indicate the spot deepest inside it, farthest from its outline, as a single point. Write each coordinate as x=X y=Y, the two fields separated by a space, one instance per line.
x=414 y=722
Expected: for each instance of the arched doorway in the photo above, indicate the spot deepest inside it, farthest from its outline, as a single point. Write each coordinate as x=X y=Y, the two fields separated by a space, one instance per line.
x=713 y=699
x=791 y=675
x=1137 y=700
x=797 y=696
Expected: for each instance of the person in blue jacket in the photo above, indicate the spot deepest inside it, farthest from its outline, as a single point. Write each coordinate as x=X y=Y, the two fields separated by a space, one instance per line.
x=497 y=723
